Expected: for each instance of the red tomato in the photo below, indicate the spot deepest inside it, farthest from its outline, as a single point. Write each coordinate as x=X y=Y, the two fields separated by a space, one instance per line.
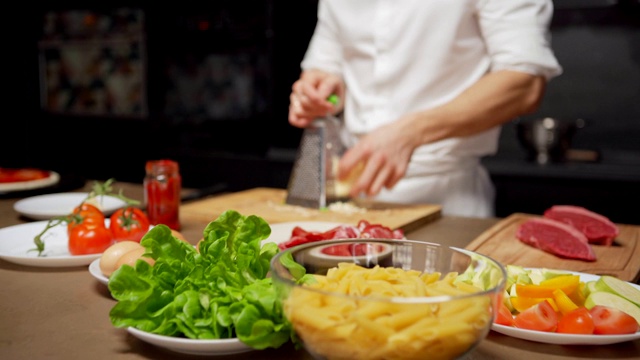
x=610 y=321
x=129 y=223
x=578 y=321
x=87 y=239
x=85 y=214
x=504 y=316
x=540 y=317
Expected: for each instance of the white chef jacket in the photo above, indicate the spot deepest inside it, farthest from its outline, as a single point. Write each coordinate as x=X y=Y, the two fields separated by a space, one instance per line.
x=402 y=56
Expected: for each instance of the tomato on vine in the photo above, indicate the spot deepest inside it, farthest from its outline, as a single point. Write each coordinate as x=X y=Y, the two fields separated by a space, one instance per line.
x=88 y=239
x=85 y=213
x=129 y=223
x=87 y=208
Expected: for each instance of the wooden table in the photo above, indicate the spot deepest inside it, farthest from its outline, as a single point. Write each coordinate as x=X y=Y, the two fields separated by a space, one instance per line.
x=62 y=313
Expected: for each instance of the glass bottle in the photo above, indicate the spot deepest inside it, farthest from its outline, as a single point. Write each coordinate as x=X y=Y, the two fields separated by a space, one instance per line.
x=162 y=187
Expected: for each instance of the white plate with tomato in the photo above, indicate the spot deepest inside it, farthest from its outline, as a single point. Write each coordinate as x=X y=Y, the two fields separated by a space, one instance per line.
x=77 y=247
x=17 y=246
x=566 y=339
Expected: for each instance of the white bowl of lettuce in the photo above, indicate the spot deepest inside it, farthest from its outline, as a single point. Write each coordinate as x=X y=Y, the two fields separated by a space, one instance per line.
x=213 y=293
x=191 y=346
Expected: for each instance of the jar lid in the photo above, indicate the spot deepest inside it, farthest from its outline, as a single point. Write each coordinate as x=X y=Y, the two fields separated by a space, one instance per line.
x=162 y=166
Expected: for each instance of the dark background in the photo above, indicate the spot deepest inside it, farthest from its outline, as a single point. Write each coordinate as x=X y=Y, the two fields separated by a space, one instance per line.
x=209 y=150
x=596 y=41
x=598 y=44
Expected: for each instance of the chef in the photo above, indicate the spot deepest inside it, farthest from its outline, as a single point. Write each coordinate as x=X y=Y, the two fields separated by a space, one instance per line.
x=425 y=87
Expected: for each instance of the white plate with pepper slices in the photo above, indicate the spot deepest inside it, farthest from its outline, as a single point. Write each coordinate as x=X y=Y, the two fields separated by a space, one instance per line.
x=597 y=291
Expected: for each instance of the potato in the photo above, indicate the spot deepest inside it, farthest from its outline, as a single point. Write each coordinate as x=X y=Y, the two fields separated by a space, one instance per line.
x=110 y=257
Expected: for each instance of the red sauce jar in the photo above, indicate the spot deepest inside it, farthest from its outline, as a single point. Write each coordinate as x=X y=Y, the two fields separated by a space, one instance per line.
x=162 y=186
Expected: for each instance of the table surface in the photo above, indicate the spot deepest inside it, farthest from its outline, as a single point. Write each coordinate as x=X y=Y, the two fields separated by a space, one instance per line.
x=62 y=313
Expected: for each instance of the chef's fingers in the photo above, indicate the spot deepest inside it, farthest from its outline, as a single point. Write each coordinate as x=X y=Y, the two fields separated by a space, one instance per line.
x=331 y=85
x=381 y=178
x=293 y=100
x=370 y=168
x=315 y=94
x=352 y=158
x=305 y=89
x=397 y=173
x=317 y=100
x=350 y=168
x=298 y=117
x=298 y=120
x=306 y=93
x=367 y=182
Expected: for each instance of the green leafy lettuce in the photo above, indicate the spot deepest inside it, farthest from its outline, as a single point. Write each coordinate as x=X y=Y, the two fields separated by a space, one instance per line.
x=220 y=292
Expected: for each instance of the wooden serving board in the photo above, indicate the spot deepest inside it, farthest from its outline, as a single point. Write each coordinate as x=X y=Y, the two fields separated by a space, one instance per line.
x=269 y=204
x=622 y=259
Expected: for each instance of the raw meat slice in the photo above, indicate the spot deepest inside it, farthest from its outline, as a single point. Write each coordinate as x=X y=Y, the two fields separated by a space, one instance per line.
x=597 y=228
x=556 y=238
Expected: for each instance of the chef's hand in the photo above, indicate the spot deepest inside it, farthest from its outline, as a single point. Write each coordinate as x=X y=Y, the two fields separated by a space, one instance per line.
x=385 y=153
x=308 y=99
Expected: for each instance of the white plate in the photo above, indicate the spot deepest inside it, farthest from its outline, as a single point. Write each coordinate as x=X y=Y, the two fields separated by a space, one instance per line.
x=281 y=232
x=567 y=339
x=45 y=207
x=192 y=346
x=17 y=240
x=53 y=179
x=94 y=269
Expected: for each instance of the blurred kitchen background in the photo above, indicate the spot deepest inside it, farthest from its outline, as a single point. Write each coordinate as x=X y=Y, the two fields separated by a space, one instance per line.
x=95 y=90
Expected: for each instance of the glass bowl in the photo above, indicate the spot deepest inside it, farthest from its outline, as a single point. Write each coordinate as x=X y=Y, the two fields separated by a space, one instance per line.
x=387 y=299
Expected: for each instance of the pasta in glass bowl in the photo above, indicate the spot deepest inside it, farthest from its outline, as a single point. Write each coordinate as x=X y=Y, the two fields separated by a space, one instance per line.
x=387 y=299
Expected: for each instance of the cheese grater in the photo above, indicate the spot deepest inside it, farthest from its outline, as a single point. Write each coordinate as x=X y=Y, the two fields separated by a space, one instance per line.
x=313 y=180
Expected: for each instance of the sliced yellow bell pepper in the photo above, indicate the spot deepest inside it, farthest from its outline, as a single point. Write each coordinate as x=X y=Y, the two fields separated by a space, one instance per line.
x=579 y=296
x=565 y=304
x=522 y=303
x=567 y=283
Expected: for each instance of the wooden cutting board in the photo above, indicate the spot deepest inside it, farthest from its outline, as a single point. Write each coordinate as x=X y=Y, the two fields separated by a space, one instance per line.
x=621 y=260
x=269 y=204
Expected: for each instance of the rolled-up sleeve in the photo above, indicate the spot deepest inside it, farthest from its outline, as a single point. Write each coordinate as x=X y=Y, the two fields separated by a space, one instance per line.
x=517 y=35
x=324 y=50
